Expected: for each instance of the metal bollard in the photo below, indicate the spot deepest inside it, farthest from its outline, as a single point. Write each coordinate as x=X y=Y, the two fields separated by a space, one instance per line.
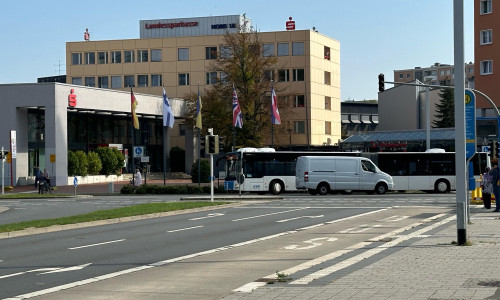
x=111 y=187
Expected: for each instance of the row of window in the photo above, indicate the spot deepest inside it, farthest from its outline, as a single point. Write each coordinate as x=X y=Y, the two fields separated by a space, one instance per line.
x=486 y=37
x=299 y=127
x=485 y=7
x=155 y=55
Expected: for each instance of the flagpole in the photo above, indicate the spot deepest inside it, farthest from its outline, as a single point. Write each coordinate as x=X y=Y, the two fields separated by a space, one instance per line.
x=133 y=139
x=199 y=147
x=164 y=155
x=272 y=121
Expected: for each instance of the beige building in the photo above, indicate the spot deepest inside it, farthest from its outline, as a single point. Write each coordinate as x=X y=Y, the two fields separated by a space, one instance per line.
x=176 y=54
x=437 y=74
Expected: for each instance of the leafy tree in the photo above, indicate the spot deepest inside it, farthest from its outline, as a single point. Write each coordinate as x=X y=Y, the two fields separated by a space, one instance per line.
x=108 y=159
x=120 y=160
x=82 y=163
x=247 y=68
x=445 y=109
x=94 y=163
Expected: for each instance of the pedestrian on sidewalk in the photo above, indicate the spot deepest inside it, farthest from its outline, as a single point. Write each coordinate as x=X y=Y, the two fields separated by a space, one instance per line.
x=496 y=189
x=38 y=174
x=138 y=178
x=487 y=188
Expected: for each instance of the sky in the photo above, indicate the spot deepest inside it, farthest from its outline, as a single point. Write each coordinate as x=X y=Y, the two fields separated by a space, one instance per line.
x=376 y=36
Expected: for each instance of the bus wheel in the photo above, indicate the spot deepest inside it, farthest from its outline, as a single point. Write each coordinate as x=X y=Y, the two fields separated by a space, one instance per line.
x=312 y=191
x=323 y=189
x=442 y=186
x=276 y=187
x=381 y=189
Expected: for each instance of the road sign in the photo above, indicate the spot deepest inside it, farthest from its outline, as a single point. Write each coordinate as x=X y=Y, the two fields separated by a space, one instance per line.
x=52 y=158
x=75 y=181
x=145 y=159
x=470 y=123
x=138 y=151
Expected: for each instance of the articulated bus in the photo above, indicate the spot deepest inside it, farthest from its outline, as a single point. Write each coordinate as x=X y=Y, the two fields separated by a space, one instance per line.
x=264 y=170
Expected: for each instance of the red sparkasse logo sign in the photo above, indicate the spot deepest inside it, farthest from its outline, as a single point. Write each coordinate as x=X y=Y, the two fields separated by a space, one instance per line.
x=72 y=98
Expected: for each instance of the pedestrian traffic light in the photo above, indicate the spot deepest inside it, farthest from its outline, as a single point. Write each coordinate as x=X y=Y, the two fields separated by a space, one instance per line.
x=497 y=149
x=381 y=83
x=213 y=144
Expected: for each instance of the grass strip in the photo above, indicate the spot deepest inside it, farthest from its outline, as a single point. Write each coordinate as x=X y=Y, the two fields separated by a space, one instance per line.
x=136 y=210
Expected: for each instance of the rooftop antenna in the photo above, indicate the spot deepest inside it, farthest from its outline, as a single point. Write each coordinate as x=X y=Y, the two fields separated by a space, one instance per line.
x=59 y=67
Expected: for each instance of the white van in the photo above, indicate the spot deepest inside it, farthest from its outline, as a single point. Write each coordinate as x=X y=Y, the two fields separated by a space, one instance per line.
x=322 y=174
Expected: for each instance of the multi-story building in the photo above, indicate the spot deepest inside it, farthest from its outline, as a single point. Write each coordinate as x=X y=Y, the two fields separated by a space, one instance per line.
x=437 y=74
x=176 y=54
x=487 y=50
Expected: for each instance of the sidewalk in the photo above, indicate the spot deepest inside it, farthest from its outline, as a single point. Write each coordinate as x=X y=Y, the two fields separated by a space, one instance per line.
x=430 y=268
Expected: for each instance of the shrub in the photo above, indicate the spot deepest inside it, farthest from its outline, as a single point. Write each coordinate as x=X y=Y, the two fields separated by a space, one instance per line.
x=127 y=189
x=94 y=163
x=205 y=171
x=72 y=163
x=82 y=163
x=120 y=160
x=177 y=158
x=108 y=159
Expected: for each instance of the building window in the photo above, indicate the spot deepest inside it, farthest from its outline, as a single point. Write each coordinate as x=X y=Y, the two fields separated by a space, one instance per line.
x=142 y=55
x=299 y=127
x=210 y=52
x=267 y=50
x=129 y=81
x=211 y=77
x=328 y=127
x=102 y=82
x=327 y=52
x=76 y=58
x=223 y=78
x=486 y=67
x=448 y=72
x=225 y=52
x=328 y=103
x=76 y=80
x=102 y=57
x=283 y=49
x=90 y=81
x=401 y=76
x=298 y=74
x=184 y=79
x=116 y=57
x=328 y=78
x=269 y=75
x=486 y=37
x=441 y=72
x=471 y=70
x=155 y=54
x=129 y=56
x=156 y=80
x=89 y=58
x=408 y=76
x=485 y=7
x=299 y=101
x=183 y=54
x=142 y=80
x=182 y=129
x=284 y=75
x=297 y=48
x=116 y=82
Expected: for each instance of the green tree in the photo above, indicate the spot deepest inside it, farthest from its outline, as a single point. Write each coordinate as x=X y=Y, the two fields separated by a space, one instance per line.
x=72 y=163
x=82 y=163
x=445 y=109
x=108 y=159
x=94 y=163
x=119 y=159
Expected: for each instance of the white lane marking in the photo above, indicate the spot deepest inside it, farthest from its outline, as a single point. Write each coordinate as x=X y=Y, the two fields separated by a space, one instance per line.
x=311 y=217
x=394 y=219
x=313 y=243
x=270 y=214
x=208 y=216
x=360 y=228
x=188 y=228
x=249 y=287
x=30 y=271
x=369 y=253
x=59 y=270
x=98 y=244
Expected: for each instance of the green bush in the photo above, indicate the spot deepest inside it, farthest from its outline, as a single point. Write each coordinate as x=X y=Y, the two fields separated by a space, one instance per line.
x=109 y=160
x=177 y=158
x=205 y=171
x=72 y=163
x=120 y=160
x=82 y=163
x=94 y=163
x=127 y=189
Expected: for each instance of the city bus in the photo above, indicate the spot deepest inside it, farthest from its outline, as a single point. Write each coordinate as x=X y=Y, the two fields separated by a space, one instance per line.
x=265 y=170
x=425 y=171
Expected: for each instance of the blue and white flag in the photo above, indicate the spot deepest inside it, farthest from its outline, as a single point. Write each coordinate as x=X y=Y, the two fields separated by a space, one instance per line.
x=168 y=115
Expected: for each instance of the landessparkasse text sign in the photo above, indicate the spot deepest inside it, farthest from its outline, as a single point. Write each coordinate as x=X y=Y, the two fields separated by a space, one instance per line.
x=216 y=25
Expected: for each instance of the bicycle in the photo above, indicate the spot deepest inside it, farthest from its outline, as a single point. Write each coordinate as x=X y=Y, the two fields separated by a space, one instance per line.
x=46 y=188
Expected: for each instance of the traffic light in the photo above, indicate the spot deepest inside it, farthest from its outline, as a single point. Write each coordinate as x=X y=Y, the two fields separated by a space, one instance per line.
x=381 y=83
x=491 y=145
x=4 y=154
x=213 y=144
x=221 y=143
x=497 y=149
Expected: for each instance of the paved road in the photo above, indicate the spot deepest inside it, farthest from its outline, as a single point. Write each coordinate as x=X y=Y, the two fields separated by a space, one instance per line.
x=253 y=241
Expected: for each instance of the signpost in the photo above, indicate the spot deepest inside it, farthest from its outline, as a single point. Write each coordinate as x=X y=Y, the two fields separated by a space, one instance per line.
x=75 y=183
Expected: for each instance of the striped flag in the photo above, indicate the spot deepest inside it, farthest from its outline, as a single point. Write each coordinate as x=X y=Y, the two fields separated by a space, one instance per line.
x=275 y=114
x=237 y=115
x=134 y=103
x=168 y=114
x=198 y=111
